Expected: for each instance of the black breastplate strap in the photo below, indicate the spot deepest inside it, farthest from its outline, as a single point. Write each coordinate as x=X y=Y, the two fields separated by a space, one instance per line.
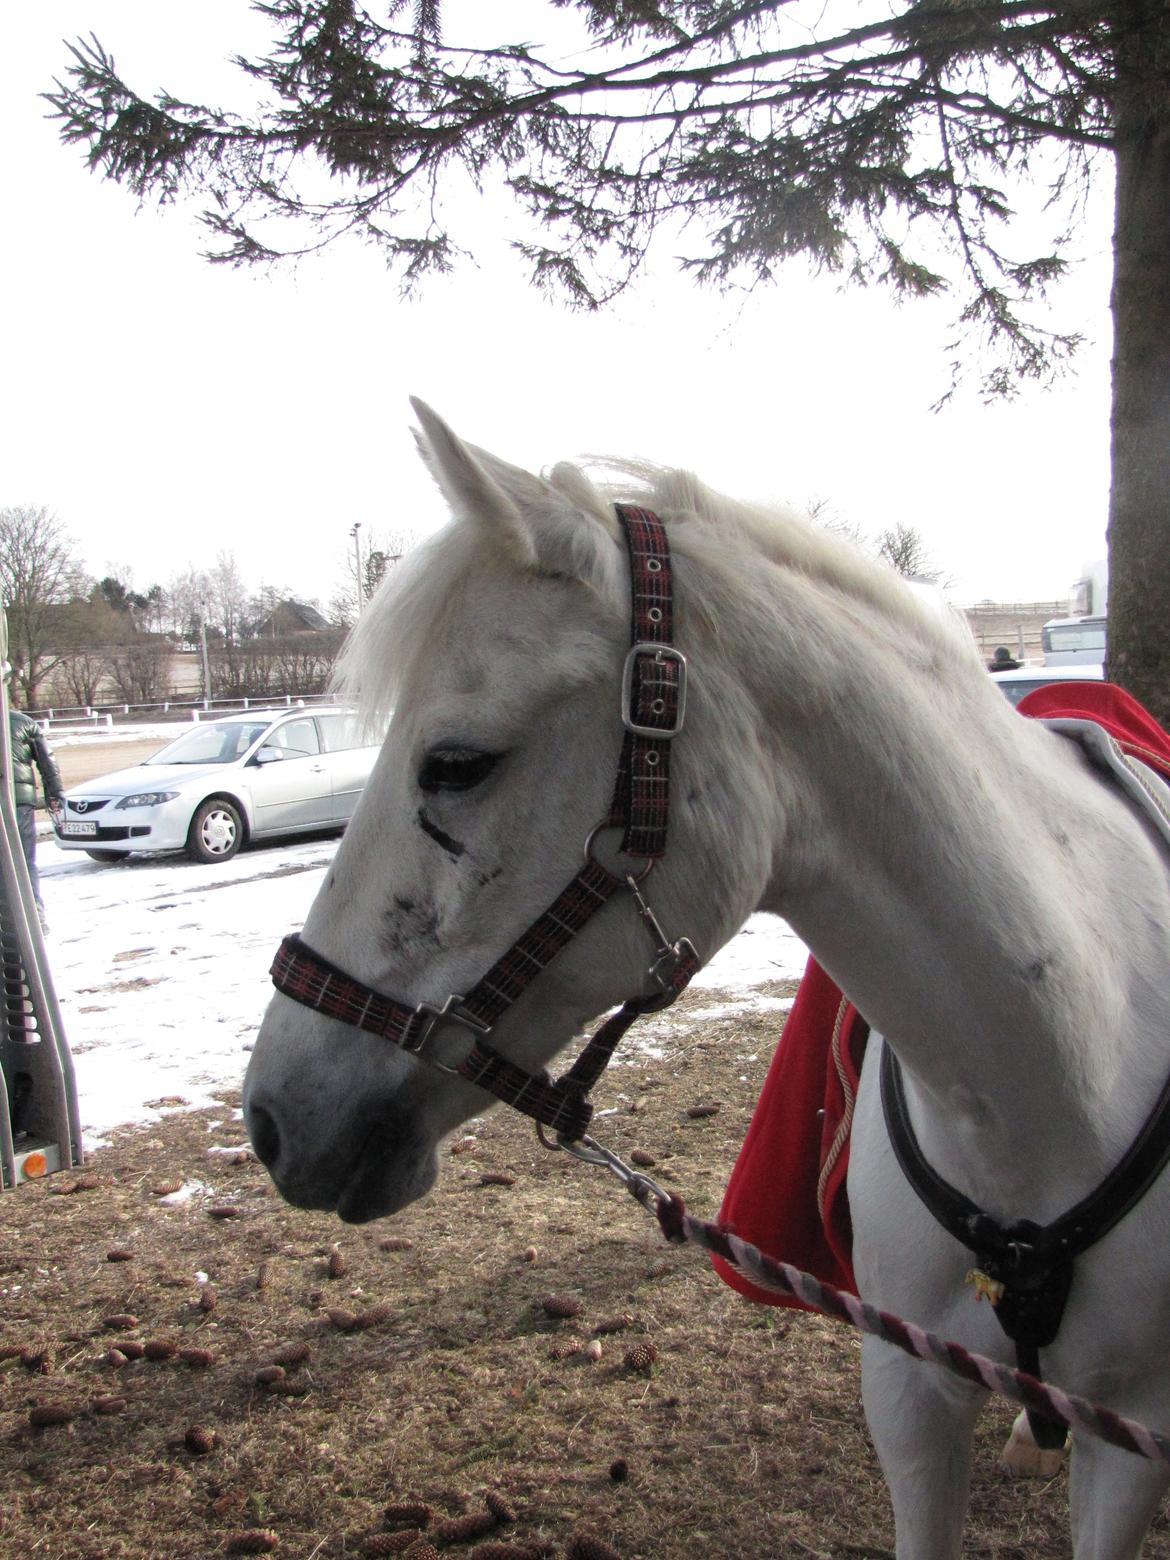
x=1033 y=1262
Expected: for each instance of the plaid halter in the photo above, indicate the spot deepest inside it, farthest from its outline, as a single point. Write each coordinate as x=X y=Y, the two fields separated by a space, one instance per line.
x=653 y=708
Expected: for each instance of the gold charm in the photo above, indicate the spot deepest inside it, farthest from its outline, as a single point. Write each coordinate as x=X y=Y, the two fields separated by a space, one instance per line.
x=985 y=1288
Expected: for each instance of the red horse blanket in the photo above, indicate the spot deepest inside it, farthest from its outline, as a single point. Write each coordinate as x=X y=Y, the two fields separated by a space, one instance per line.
x=787 y=1191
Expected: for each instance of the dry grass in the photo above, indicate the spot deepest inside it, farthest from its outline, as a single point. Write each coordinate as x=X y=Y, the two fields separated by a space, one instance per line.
x=88 y=760
x=744 y=1436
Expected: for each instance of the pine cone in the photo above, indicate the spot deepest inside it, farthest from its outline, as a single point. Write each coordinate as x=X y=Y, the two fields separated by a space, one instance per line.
x=253 y=1541
x=397 y=1543
x=585 y=1547
x=500 y=1508
x=160 y=1349
x=561 y=1306
x=198 y=1359
x=299 y=1387
x=375 y=1316
x=291 y=1354
x=564 y=1348
x=412 y=1513
x=198 y=1441
x=336 y=1267
x=641 y=1357
x=46 y=1414
x=464 y=1530
x=379 y=1544
x=613 y=1324
x=498 y=1549
x=108 y=1405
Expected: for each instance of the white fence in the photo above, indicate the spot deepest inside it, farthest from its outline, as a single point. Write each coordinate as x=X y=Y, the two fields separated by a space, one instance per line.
x=106 y=717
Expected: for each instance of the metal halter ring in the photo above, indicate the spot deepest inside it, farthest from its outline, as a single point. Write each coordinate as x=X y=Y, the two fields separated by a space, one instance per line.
x=591 y=858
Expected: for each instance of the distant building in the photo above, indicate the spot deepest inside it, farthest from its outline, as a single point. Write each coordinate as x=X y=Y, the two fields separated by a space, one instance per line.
x=291 y=617
x=1089 y=596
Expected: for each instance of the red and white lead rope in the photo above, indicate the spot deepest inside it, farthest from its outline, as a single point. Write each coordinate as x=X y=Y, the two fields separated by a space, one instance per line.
x=768 y=1273
x=1077 y=1412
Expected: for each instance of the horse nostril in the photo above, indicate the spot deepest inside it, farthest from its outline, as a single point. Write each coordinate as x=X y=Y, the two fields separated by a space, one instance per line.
x=265 y=1134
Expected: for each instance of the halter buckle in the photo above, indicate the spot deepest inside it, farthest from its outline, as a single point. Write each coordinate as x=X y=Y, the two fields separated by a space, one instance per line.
x=661 y=654
x=435 y=1018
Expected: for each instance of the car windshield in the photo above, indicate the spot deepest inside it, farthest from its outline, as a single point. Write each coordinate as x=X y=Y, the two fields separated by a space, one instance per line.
x=220 y=742
x=1015 y=691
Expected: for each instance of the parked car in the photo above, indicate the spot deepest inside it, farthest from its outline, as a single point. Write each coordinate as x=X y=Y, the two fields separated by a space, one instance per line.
x=223 y=783
x=1019 y=683
x=1073 y=641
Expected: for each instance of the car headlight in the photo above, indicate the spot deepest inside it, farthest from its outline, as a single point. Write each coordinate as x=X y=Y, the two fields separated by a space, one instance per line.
x=148 y=799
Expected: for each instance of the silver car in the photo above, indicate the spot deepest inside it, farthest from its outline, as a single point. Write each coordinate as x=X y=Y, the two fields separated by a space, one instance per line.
x=223 y=783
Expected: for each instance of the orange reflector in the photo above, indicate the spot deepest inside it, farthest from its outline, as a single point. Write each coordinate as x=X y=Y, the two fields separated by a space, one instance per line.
x=34 y=1165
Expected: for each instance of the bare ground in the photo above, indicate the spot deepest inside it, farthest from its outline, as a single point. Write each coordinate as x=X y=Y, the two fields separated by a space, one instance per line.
x=433 y=1371
x=87 y=760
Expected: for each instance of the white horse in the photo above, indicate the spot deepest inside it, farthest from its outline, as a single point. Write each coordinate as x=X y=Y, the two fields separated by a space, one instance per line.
x=987 y=898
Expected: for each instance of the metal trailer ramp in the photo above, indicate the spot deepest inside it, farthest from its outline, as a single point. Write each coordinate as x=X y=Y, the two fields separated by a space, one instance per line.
x=40 y=1129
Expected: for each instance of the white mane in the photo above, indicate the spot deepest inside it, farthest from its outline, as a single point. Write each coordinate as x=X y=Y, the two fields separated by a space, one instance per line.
x=716 y=535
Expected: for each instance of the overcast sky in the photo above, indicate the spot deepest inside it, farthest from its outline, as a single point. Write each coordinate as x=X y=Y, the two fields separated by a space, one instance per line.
x=167 y=410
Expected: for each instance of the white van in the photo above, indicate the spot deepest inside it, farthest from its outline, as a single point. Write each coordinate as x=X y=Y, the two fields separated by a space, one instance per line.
x=1068 y=641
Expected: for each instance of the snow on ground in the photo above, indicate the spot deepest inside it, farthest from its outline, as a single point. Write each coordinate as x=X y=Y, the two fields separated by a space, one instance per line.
x=103 y=736
x=161 y=970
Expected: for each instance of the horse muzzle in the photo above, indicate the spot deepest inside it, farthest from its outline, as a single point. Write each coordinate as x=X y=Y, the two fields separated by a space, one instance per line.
x=348 y=1141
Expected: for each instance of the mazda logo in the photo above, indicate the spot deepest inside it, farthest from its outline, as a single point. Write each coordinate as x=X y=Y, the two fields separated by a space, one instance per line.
x=80 y=806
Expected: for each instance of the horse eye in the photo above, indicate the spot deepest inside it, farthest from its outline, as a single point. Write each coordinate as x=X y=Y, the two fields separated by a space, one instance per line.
x=455 y=769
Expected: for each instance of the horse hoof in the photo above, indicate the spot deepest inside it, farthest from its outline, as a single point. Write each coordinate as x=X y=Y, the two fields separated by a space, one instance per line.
x=1023 y=1459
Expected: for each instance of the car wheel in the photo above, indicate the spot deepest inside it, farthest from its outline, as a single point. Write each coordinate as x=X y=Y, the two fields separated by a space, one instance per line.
x=216 y=832
x=107 y=856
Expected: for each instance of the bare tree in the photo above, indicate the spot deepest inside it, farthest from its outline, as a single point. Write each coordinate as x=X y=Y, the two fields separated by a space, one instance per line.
x=903 y=548
x=140 y=671
x=38 y=579
x=187 y=596
x=378 y=557
x=227 y=598
x=79 y=678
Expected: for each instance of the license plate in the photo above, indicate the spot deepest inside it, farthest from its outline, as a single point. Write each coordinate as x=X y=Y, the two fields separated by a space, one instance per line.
x=76 y=828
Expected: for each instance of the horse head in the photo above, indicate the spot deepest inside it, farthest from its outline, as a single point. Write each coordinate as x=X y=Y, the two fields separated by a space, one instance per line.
x=499 y=647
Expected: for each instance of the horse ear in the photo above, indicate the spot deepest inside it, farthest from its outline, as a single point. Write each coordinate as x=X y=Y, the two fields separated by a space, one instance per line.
x=471 y=490
x=558 y=527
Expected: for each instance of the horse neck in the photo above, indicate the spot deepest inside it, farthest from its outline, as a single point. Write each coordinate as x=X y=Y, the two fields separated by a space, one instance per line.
x=955 y=867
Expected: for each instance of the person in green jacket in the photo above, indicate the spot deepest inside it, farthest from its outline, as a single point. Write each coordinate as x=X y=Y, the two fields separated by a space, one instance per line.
x=31 y=751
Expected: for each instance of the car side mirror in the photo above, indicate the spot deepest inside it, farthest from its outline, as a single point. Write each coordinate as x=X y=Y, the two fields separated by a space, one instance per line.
x=269 y=755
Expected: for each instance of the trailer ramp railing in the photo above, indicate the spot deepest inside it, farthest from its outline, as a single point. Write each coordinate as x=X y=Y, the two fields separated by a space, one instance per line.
x=40 y=1127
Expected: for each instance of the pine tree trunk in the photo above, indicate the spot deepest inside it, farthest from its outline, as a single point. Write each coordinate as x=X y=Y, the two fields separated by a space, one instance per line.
x=1139 y=505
